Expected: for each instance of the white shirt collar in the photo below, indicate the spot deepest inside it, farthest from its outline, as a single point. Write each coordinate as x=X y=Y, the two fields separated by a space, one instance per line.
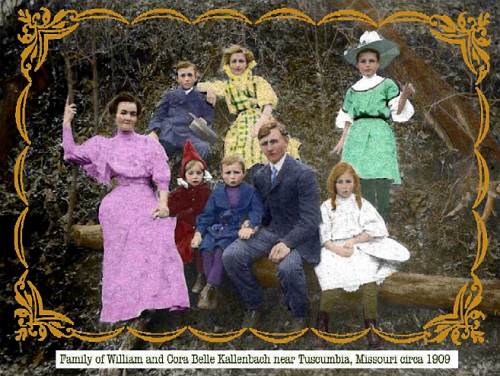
x=367 y=83
x=278 y=164
x=188 y=91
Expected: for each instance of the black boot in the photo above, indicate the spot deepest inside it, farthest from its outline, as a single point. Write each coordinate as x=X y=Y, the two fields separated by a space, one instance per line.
x=321 y=325
x=373 y=340
x=323 y=321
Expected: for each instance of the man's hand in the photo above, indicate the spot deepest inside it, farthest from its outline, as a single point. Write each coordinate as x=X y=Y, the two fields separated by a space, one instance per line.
x=246 y=233
x=279 y=252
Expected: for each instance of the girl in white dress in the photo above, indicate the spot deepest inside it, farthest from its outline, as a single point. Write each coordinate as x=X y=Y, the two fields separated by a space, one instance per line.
x=357 y=253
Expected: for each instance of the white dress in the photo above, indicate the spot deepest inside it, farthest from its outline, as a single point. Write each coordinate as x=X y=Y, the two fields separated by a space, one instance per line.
x=371 y=261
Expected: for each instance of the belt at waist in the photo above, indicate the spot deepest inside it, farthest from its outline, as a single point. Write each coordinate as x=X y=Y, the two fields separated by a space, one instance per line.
x=371 y=117
x=132 y=181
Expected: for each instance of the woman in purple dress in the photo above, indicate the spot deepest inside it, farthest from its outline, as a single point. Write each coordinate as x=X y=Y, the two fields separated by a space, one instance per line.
x=141 y=268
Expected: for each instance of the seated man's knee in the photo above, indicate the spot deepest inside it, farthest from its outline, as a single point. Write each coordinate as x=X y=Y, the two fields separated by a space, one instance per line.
x=231 y=255
x=289 y=267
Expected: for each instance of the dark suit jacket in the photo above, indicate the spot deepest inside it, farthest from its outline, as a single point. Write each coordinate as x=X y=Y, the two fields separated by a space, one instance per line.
x=292 y=206
x=171 y=118
x=219 y=223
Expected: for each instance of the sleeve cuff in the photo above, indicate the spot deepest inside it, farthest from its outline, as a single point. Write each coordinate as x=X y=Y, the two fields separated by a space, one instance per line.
x=405 y=115
x=162 y=185
x=342 y=118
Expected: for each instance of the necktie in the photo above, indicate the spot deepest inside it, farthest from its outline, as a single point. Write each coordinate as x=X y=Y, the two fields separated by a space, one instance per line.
x=274 y=174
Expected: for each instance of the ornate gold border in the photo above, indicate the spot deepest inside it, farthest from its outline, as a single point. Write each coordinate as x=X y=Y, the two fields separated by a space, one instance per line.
x=469 y=33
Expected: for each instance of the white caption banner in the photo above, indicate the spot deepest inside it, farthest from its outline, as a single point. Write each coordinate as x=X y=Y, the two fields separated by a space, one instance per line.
x=299 y=359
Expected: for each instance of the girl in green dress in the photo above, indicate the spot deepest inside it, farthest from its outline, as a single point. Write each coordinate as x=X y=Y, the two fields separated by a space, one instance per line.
x=367 y=140
x=251 y=98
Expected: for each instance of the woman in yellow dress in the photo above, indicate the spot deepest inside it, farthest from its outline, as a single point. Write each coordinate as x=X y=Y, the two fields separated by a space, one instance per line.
x=251 y=98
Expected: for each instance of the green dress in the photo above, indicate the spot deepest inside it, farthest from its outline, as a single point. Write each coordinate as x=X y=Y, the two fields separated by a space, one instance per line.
x=370 y=145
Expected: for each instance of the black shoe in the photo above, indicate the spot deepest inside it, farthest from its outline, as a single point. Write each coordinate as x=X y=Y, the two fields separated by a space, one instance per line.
x=323 y=321
x=296 y=324
x=251 y=318
x=322 y=325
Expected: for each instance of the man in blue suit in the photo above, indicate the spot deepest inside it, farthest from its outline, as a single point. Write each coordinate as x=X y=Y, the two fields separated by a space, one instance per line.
x=171 y=119
x=290 y=229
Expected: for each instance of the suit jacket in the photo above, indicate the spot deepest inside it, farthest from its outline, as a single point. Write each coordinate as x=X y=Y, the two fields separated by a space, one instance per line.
x=171 y=118
x=292 y=206
x=186 y=204
x=219 y=223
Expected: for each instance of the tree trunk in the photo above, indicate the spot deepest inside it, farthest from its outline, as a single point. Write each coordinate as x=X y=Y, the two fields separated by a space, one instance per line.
x=399 y=288
x=72 y=192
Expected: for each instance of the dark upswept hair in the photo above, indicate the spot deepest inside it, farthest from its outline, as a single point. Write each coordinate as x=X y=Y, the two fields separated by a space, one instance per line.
x=368 y=50
x=337 y=170
x=269 y=126
x=123 y=97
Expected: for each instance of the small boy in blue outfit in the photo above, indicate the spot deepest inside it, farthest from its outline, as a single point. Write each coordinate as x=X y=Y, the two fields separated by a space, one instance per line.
x=171 y=119
x=233 y=210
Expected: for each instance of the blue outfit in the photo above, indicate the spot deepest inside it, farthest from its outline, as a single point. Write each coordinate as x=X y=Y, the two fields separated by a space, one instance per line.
x=292 y=216
x=171 y=120
x=220 y=222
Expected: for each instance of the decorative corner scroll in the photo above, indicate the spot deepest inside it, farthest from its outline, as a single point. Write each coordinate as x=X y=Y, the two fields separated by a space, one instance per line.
x=472 y=37
x=465 y=320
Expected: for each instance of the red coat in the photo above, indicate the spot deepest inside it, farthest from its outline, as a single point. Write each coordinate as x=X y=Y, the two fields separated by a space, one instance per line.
x=186 y=204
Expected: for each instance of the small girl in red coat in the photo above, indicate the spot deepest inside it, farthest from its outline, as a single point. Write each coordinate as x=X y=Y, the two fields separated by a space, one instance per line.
x=186 y=202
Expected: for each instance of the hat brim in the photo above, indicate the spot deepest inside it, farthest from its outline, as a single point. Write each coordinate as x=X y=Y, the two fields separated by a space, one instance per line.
x=387 y=49
x=203 y=131
x=386 y=248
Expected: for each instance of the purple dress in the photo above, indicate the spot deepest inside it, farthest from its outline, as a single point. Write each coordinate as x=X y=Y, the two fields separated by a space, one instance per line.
x=141 y=268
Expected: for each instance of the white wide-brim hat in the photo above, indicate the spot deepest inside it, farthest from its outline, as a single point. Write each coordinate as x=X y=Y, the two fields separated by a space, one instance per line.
x=386 y=48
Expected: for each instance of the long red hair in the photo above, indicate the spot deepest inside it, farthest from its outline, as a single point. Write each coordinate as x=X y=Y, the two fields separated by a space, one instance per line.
x=337 y=170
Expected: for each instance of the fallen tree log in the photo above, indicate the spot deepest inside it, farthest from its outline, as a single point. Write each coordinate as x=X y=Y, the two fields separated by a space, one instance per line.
x=404 y=288
x=88 y=236
x=399 y=288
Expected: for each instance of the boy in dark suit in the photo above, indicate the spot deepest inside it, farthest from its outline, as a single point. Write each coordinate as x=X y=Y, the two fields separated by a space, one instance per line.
x=289 y=233
x=171 y=119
